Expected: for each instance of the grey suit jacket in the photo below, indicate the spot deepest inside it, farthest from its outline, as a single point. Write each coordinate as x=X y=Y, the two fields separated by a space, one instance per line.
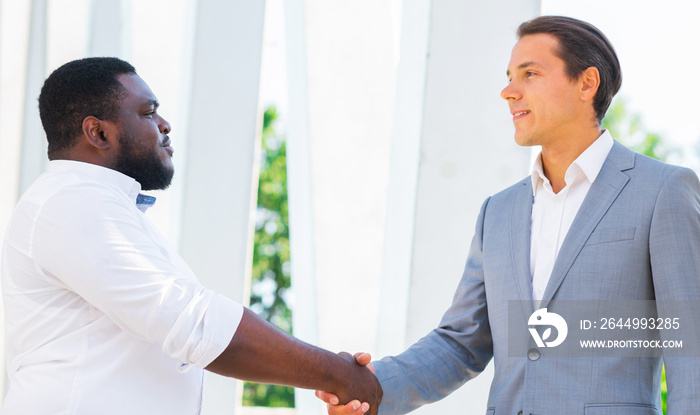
x=635 y=237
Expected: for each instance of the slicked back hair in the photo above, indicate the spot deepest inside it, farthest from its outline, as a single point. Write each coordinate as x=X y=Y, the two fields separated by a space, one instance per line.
x=76 y=90
x=581 y=46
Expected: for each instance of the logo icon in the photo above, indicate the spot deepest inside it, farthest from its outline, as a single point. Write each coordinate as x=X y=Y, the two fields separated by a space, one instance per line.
x=542 y=318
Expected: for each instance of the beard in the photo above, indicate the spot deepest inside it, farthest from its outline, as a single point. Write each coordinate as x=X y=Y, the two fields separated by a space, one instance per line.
x=143 y=165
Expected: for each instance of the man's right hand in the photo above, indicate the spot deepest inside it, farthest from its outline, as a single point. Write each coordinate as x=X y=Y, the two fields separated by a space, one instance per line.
x=354 y=407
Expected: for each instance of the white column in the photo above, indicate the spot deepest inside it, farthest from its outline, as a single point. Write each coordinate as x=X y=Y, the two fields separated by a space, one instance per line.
x=13 y=57
x=14 y=30
x=403 y=178
x=351 y=72
x=109 y=28
x=300 y=194
x=221 y=173
x=466 y=153
x=341 y=76
x=34 y=159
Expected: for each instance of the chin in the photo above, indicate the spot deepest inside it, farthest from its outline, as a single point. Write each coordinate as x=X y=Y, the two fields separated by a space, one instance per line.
x=524 y=141
x=527 y=139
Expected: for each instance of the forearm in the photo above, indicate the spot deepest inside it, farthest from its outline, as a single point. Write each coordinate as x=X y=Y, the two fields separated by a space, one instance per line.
x=261 y=352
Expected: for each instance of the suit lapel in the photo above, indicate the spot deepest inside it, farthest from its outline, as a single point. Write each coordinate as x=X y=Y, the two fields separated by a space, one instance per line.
x=600 y=197
x=521 y=218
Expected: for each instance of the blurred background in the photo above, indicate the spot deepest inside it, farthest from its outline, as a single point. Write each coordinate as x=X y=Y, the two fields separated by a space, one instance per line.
x=331 y=156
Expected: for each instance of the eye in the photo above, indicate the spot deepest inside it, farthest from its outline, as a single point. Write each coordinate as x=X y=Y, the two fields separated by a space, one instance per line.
x=529 y=74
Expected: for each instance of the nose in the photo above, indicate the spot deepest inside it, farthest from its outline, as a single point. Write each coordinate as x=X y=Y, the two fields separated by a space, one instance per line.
x=510 y=92
x=164 y=126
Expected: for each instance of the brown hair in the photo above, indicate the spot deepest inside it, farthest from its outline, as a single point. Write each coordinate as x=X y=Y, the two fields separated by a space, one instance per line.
x=581 y=46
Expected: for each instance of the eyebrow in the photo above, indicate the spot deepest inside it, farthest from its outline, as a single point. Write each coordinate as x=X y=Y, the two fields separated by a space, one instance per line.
x=522 y=66
x=152 y=102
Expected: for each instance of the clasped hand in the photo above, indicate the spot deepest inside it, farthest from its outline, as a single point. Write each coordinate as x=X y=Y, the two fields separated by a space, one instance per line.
x=354 y=407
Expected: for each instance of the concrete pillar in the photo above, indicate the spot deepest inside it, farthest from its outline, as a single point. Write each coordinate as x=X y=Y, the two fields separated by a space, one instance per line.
x=341 y=76
x=403 y=177
x=13 y=59
x=33 y=159
x=110 y=28
x=300 y=194
x=351 y=70
x=14 y=30
x=221 y=168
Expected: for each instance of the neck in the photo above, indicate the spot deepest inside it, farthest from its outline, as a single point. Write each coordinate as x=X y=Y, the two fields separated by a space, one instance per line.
x=558 y=156
x=86 y=155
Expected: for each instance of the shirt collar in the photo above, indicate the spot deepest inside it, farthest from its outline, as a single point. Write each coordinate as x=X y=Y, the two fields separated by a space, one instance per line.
x=589 y=162
x=105 y=175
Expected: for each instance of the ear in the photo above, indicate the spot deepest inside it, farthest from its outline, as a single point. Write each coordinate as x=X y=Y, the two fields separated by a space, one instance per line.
x=590 y=81
x=94 y=132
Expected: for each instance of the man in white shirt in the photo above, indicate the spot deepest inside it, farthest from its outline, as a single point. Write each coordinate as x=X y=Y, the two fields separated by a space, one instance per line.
x=102 y=315
x=594 y=222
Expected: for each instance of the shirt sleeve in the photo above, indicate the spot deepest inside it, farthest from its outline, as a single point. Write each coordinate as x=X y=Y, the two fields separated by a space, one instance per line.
x=89 y=239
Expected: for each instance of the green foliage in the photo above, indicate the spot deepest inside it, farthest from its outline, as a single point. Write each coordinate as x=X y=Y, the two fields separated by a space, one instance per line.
x=271 y=267
x=629 y=130
x=664 y=390
x=271 y=396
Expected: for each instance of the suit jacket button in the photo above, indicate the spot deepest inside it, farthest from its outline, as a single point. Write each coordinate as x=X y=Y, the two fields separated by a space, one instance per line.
x=533 y=354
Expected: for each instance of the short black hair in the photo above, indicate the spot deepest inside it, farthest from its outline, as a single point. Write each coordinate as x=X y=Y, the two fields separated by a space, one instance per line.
x=76 y=90
x=581 y=46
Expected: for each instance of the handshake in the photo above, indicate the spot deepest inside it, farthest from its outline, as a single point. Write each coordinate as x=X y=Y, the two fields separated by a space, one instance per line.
x=260 y=352
x=355 y=406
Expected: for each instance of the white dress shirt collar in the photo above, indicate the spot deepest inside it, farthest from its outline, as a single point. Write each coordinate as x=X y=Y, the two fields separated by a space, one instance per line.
x=589 y=163
x=102 y=174
x=94 y=172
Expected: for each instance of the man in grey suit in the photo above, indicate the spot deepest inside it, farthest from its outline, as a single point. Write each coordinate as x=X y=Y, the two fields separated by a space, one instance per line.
x=595 y=221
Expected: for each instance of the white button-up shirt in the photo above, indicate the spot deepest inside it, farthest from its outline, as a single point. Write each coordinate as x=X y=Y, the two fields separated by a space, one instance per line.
x=102 y=316
x=553 y=213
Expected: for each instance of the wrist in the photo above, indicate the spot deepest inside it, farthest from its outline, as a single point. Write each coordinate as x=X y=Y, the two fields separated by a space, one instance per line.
x=342 y=373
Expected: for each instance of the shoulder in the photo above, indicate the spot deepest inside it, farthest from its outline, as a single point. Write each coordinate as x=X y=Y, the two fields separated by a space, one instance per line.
x=668 y=189
x=57 y=207
x=647 y=165
x=69 y=188
x=499 y=206
x=515 y=188
x=521 y=189
x=56 y=201
x=651 y=174
x=636 y=164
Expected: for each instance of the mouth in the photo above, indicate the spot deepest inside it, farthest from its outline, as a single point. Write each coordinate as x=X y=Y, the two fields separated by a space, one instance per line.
x=168 y=148
x=519 y=114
